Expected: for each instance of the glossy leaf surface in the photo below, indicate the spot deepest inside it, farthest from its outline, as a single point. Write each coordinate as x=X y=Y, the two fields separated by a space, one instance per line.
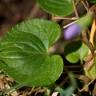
x=24 y=53
x=57 y=7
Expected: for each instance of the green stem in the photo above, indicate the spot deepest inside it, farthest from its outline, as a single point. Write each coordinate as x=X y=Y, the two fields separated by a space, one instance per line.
x=86 y=21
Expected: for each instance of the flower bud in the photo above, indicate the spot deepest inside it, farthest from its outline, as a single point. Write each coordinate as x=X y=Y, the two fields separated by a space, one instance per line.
x=75 y=29
x=72 y=31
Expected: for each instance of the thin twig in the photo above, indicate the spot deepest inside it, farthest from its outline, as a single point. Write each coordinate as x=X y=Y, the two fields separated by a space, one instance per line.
x=69 y=24
x=75 y=9
x=57 y=17
x=86 y=86
x=85 y=5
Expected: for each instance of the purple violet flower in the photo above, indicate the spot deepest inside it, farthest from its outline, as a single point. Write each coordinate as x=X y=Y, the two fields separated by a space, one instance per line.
x=72 y=31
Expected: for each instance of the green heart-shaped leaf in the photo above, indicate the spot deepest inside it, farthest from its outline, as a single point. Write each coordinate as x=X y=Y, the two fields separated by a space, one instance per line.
x=24 y=53
x=57 y=7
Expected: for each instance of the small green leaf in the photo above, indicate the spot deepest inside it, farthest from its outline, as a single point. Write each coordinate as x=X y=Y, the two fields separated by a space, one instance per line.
x=91 y=72
x=24 y=53
x=69 y=90
x=75 y=51
x=57 y=7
